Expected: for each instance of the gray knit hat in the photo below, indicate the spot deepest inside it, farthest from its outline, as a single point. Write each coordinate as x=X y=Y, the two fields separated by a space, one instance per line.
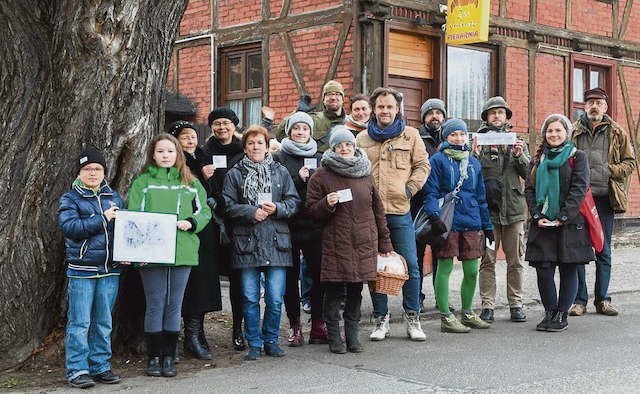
x=298 y=117
x=432 y=103
x=341 y=133
x=556 y=118
x=451 y=125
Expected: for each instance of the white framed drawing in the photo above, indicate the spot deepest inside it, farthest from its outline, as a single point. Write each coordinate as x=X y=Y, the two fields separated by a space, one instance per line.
x=145 y=237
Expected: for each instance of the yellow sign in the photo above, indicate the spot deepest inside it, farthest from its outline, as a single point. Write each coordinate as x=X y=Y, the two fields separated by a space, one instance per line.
x=467 y=21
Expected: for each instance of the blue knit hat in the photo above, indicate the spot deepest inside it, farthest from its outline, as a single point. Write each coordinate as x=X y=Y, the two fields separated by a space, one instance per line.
x=451 y=125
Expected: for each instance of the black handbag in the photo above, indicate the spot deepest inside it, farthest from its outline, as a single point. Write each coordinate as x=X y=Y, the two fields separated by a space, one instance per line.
x=422 y=222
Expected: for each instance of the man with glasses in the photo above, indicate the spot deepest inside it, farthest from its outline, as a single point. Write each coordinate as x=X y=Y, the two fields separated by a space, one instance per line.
x=611 y=162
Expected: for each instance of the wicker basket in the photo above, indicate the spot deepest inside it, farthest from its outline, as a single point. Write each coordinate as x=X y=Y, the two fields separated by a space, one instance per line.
x=391 y=284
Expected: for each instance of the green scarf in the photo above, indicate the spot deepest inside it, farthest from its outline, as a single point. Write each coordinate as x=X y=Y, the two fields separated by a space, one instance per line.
x=548 y=178
x=460 y=155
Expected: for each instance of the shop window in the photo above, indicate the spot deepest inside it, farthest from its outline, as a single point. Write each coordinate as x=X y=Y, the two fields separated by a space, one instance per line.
x=241 y=82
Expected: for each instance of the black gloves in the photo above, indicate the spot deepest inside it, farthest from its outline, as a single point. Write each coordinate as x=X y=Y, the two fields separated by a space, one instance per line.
x=437 y=226
x=489 y=235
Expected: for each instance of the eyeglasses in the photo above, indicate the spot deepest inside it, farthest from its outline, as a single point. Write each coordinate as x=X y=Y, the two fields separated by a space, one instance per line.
x=226 y=123
x=332 y=94
x=92 y=169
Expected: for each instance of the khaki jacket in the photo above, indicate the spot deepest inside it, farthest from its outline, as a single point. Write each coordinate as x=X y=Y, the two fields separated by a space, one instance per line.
x=621 y=159
x=400 y=167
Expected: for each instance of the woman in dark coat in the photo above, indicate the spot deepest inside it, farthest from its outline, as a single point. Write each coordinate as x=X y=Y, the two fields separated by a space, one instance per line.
x=355 y=232
x=202 y=294
x=260 y=198
x=558 y=234
x=298 y=148
x=224 y=143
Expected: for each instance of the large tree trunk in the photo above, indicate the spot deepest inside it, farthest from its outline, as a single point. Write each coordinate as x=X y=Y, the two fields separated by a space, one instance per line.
x=71 y=72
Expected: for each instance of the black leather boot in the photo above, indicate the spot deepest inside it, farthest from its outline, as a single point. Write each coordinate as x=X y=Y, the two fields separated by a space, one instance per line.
x=335 y=340
x=169 y=353
x=192 y=344
x=154 y=352
x=203 y=338
x=351 y=335
x=237 y=338
x=558 y=322
x=544 y=324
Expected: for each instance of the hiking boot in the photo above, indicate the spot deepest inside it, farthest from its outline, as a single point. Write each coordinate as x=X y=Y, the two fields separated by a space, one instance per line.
x=449 y=323
x=517 y=315
x=295 y=333
x=273 y=350
x=253 y=353
x=605 y=308
x=577 y=310
x=474 y=321
x=382 y=328
x=83 y=381
x=558 y=322
x=544 y=324
x=487 y=315
x=414 y=330
x=107 y=377
x=318 y=334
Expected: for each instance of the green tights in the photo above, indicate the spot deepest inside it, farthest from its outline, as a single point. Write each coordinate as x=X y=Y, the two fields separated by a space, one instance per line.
x=467 y=288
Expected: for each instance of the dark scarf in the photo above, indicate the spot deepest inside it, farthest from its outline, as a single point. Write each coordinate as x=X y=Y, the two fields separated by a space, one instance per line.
x=258 y=179
x=358 y=167
x=214 y=147
x=548 y=178
x=377 y=134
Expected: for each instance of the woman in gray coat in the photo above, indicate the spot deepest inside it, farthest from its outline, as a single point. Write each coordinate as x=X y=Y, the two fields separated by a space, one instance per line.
x=259 y=198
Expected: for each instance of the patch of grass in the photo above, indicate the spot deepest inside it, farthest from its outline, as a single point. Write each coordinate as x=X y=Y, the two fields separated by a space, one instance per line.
x=11 y=382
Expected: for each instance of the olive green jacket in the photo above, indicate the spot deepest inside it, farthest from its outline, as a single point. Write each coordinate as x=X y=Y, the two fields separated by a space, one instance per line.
x=323 y=122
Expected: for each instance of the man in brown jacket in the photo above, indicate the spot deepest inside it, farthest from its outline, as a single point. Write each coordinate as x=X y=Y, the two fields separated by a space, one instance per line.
x=611 y=162
x=400 y=167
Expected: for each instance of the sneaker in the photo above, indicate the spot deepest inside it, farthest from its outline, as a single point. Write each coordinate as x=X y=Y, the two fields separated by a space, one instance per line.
x=273 y=350
x=517 y=315
x=474 y=321
x=449 y=323
x=544 y=324
x=605 y=308
x=577 y=310
x=382 y=329
x=487 y=315
x=295 y=334
x=253 y=353
x=558 y=322
x=83 y=381
x=414 y=330
x=107 y=377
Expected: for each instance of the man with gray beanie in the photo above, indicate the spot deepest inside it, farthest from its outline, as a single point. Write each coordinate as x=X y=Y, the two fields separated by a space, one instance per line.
x=503 y=168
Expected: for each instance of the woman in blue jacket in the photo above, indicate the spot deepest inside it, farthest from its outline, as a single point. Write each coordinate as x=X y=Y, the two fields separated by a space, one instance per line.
x=86 y=216
x=452 y=167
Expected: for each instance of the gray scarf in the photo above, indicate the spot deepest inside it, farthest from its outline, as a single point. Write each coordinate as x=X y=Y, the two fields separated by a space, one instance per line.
x=297 y=149
x=358 y=167
x=258 y=178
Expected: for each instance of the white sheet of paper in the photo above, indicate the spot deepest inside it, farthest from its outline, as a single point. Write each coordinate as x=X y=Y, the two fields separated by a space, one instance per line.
x=550 y=224
x=145 y=237
x=264 y=197
x=493 y=138
x=490 y=245
x=311 y=163
x=344 y=195
x=219 y=161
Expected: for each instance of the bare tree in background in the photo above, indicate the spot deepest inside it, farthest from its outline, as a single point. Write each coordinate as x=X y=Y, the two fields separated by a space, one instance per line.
x=71 y=72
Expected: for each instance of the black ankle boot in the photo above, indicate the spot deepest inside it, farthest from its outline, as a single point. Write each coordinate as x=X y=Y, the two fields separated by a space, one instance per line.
x=169 y=354
x=192 y=344
x=351 y=335
x=558 y=322
x=335 y=340
x=239 y=343
x=544 y=324
x=154 y=352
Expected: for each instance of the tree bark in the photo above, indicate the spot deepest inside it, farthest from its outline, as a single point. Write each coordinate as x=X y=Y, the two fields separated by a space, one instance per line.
x=71 y=72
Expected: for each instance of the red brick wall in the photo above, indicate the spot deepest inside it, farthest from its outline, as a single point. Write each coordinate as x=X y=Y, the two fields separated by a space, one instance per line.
x=518 y=10
x=633 y=27
x=517 y=87
x=194 y=80
x=494 y=7
x=549 y=87
x=234 y=12
x=632 y=78
x=196 y=18
x=276 y=7
x=551 y=13
x=585 y=12
x=300 y=6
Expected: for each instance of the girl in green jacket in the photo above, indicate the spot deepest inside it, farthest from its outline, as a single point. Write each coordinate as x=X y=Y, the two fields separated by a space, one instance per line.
x=166 y=185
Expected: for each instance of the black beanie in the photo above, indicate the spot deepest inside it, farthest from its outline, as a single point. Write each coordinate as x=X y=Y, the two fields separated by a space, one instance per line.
x=176 y=127
x=90 y=155
x=223 y=112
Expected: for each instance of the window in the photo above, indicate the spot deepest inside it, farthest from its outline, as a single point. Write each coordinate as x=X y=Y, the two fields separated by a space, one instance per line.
x=470 y=82
x=242 y=83
x=588 y=75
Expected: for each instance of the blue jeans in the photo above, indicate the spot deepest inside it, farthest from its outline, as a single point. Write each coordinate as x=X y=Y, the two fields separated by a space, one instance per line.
x=305 y=281
x=274 y=286
x=403 y=238
x=603 y=259
x=88 y=338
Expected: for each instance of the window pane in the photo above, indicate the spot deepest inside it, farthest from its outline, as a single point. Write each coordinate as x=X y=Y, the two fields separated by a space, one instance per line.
x=578 y=85
x=254 y=71
x=234 y=81
x=254 y=114
x=236 y=106
x=594 y=79
x=467 y=87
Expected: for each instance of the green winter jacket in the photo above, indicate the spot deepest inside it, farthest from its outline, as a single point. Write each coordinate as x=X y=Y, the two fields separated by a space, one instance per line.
x=161 y=190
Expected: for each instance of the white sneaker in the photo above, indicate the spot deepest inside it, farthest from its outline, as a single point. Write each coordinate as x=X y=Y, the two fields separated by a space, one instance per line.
x=414 y=330
x=382 y=329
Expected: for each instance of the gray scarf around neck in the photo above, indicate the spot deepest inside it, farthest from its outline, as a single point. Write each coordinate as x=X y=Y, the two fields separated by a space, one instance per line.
x=258 y=178
x=297 y=149
x=357 y=167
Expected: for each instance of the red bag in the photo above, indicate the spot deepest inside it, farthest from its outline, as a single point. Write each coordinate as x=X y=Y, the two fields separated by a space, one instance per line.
x=590 y=213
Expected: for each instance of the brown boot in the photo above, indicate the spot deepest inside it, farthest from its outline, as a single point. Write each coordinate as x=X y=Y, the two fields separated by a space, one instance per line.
x=318 y=334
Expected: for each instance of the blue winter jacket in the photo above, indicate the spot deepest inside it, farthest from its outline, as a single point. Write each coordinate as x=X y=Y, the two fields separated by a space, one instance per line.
x=87 y=235
x=471 y=211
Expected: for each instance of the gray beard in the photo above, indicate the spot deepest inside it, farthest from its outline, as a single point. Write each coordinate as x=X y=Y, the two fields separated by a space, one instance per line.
x=594 y=118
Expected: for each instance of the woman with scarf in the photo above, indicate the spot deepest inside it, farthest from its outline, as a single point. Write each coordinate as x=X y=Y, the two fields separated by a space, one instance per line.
x=453 y=168
x=558 y=234
x=355 y=232
x=299 y=156
x=260 y=198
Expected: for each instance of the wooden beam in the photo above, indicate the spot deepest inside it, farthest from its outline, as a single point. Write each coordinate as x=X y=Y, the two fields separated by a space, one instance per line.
x=502 y=8
x=265 y=69
x=533 y=11
x=293 y=62
x=337 y=52
x=214 y=15
x=629 y=115
x=284 y=11
x=625 y=19
x=567 y=15
x=615 y=10
x=266 y=10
